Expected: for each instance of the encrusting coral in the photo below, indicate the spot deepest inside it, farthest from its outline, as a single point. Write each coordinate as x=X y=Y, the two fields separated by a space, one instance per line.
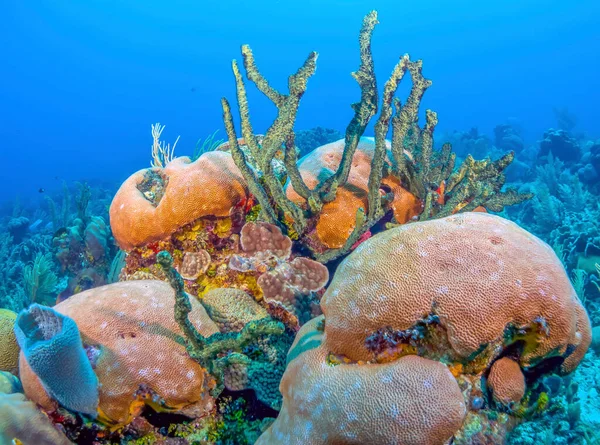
x=440 y=300
x=427 y=174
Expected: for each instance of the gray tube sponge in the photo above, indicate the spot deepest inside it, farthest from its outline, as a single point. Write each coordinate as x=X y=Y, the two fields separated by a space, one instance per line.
x=54 y=351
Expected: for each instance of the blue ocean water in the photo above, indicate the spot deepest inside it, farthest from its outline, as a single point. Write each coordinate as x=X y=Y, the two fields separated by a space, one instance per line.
x=81 y=87
x=83 y=81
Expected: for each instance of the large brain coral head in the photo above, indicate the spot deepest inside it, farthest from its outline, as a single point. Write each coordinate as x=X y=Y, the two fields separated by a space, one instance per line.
x=415 y=319
x=486 y=282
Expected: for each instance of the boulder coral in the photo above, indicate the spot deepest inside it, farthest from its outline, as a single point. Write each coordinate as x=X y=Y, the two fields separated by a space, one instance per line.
x=337 y=220
x=506 y=381
x=9 y=348
x=412 y=401
x=153 y=203
x=489 y=283
x=413 y=320
x=136 y=349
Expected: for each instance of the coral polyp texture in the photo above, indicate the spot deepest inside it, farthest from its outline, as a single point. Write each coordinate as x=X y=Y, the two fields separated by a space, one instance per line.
x=153 y=203
x=9 y=348
x=134 y=345
x=432 y=306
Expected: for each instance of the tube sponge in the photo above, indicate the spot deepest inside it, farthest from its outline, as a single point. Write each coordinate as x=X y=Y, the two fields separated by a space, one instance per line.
x=53 y=349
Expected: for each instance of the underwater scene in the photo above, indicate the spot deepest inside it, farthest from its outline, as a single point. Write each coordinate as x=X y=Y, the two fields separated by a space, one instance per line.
x=204 y=239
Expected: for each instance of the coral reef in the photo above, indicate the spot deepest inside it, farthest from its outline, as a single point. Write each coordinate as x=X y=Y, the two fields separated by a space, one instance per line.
x=450 y=297
x=561 y=144
x=307 y=140
x=426 y=173
x=162 y=200
x=64 y=253
x=119 y=325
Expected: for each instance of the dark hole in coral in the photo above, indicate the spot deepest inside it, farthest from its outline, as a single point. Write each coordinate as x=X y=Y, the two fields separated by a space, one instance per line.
x=255 y=408
x=153 y=186
x=545 y=367
x=385 y=188
x=162 y=421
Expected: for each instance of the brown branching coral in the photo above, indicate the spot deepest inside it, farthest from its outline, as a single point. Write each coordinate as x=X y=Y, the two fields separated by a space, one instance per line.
x=223 y=347
x=427 y=173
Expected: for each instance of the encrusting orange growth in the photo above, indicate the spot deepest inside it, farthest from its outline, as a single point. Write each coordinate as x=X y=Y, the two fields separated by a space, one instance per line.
x=338 y=217
x=506 y=381
x=483 y=277
x=209 y=186
x=136 y=349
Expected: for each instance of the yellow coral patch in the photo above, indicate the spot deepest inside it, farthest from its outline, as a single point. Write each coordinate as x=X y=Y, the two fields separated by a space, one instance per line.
x=223 y=227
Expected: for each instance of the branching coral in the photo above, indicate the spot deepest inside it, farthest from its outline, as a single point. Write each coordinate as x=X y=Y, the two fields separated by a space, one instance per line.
x=425 y=172
x=208 y=350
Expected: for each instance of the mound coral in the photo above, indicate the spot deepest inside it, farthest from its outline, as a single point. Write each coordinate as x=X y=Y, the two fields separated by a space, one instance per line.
x=119 y=325
x=232 y=309
x=441 y=301
x=9 y=348
x=51 y=342
x=506 y=381
x=153 y=203
x=463 y=269
x=337 y=220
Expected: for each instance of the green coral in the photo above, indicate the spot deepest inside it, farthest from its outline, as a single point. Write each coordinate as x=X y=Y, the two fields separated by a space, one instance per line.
x=217 y=351
x=40 y=280
x=422 y=169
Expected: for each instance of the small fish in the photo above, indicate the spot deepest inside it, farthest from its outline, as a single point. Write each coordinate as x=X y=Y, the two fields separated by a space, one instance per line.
x=41 y=190
x=193 y=89
x=16 y=441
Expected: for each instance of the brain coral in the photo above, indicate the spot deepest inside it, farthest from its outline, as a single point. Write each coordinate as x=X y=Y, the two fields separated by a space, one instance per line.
x=414 y=314
x=411 y=401
x=484 y=278
x=9 y=349
x=506 y=381
x=136 y=349
x=153 y=203
x=337 y=218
